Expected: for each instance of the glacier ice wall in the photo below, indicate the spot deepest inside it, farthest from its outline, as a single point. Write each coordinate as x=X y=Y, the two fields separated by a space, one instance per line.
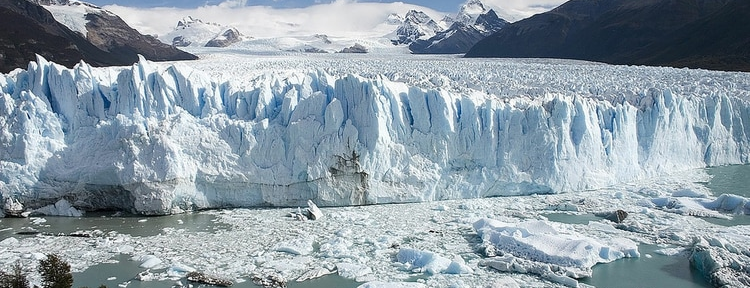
x=157 y=139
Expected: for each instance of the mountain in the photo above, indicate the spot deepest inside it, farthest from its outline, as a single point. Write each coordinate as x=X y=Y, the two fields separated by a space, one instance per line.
x=416 y=25
x=473 y=22
x=190 y=31
x=228 y=37
x=711 y=34
x=98 y=37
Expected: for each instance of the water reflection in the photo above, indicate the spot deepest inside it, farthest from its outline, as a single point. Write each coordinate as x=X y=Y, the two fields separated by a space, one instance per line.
x=123 y=224
x=655 y=271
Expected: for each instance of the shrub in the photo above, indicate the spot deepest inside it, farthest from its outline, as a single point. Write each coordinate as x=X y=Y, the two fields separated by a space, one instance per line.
x=55 y=272
x=15 y=280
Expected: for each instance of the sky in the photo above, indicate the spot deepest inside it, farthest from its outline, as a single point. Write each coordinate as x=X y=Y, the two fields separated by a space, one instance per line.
x=269 y=18
x=438 y=5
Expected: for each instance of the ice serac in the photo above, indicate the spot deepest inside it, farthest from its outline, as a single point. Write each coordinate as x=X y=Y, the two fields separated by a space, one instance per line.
x=156 y=139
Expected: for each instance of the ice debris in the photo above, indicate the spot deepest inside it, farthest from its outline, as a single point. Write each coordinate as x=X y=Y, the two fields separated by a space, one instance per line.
x=539 y=241
x=430 y=262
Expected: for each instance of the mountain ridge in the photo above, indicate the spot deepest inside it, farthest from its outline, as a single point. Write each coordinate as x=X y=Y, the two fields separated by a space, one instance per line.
x=31 y=29
x=654 y=32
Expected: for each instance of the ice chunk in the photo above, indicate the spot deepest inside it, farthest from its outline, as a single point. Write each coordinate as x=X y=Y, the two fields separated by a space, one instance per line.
x=60 y=208
x=149 y=261
x=377 y=284
x=352 y=271
x=431 y=262
x=313 y=212
x=299 y=246
x=313 y=274
x=541 y=242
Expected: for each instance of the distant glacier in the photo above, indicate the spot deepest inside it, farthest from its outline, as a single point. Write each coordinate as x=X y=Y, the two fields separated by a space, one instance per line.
x=160 y=139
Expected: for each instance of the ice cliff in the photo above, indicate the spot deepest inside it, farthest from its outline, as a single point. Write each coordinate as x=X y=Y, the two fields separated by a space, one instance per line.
x=158 y=139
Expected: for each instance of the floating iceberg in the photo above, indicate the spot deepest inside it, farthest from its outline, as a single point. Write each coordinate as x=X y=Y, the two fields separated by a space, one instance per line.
x=157 y=139
x=534 y=242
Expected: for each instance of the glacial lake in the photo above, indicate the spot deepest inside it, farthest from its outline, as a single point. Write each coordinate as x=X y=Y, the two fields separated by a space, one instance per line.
x=651 y=269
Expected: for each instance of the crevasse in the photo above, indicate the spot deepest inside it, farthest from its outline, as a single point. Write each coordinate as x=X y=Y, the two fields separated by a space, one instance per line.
x=158 y=139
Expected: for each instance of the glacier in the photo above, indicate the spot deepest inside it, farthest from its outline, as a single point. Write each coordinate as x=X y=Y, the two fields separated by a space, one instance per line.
x=158 y=138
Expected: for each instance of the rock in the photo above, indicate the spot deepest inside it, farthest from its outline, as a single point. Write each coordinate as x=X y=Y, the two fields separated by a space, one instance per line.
x=180 y=41
x=199 y=277
x=272 y=280
x=356 y=48
x=226 y=38
x=617 y=216
x=314 y=50
x=313 y=212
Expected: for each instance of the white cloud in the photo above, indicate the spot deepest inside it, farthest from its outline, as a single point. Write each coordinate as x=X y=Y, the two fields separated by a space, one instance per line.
x=337 y=18
x=519 y=9
x=233 y=3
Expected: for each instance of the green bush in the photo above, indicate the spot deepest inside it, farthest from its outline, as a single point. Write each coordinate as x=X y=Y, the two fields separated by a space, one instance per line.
x=55 y=272
x=15 y=280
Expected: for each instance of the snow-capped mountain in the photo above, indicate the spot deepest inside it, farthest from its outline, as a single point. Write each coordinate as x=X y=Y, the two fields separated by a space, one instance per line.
x=416 y=25
x=472 y=23
x=470 y=11
x=69 y=31
x=194 y=32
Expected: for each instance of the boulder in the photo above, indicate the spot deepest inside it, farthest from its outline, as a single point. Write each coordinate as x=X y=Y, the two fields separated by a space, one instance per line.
x=617 y=216
x=203 y=278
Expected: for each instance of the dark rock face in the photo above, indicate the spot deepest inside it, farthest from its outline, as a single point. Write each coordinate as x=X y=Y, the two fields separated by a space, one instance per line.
x=712 y=34
x=180 y=41
x=226 y=38
x=29 y=29
x=415 y=25
x=459 y=38
x=356 y=48
x=489 y=23
x=111 y=34
x=617 y=216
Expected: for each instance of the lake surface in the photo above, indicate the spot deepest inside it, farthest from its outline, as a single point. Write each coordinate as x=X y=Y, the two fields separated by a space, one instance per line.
x=650 y=270
x=124 y=271
x=733 y=179
x=655 y=271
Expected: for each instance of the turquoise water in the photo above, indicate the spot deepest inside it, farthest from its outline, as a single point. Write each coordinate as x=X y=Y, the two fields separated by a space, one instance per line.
x=656 y=271
x=733 y=179
x=125 y=270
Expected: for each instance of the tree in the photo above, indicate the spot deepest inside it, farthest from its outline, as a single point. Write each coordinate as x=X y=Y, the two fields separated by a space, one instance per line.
x=15 y=280
x=55 y=272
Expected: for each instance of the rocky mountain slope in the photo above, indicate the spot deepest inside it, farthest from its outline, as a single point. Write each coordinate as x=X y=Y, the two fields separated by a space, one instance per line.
x=30 y=29
x=194 y=32
x=712 y=34
x=473 y=22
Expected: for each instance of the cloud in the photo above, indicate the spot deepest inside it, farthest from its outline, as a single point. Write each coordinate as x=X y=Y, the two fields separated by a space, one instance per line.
x=524 y=8
x=346 y=18
x=233 y=4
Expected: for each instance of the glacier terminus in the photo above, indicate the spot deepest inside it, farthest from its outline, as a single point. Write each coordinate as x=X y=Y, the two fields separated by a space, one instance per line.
x=235 y=131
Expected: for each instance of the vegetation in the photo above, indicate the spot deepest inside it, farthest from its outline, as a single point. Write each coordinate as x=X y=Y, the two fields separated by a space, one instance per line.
x=17 y=279
x=55 y=272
